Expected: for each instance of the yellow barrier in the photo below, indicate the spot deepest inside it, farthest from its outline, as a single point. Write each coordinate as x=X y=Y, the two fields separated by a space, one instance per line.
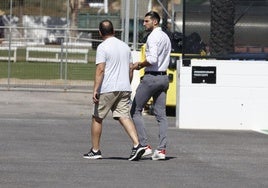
x=172 y=74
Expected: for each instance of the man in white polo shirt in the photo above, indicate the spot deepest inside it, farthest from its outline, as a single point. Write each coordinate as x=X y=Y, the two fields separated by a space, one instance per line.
x=112 y=90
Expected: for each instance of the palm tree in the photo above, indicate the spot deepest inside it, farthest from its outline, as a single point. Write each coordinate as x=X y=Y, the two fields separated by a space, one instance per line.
x=222 y=27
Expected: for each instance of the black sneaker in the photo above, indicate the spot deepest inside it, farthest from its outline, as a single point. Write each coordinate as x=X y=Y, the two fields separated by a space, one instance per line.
x=136 y=153
x=93 y=155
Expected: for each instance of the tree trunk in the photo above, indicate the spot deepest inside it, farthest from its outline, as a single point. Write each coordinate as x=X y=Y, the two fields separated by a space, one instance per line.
x=222 y=27
x=74 y=7
x=21 y=10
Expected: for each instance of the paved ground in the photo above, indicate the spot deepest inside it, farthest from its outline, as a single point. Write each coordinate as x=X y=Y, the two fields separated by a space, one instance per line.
x=43 y=136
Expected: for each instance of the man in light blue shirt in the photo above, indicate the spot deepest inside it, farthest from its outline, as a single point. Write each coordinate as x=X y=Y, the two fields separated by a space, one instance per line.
x=154 y=84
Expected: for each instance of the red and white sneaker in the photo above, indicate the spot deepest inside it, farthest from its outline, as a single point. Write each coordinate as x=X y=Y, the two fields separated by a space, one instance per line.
x=159 y=155
x=148 y=151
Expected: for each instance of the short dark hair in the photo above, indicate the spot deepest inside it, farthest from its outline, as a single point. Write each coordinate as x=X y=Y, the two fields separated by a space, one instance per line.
x=106 y=27
x=153 y=15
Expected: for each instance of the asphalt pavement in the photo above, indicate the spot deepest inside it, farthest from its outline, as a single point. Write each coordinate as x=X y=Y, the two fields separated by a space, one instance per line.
x=44 y=134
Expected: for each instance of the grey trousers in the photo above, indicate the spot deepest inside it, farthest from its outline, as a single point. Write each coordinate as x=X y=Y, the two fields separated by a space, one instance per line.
x=156 y=87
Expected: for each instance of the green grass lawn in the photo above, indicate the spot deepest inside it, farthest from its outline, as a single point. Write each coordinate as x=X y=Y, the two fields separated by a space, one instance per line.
x=45 y=70
x=39 y=70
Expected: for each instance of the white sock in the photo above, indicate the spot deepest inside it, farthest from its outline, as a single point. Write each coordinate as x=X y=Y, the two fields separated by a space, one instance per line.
x=95 y=151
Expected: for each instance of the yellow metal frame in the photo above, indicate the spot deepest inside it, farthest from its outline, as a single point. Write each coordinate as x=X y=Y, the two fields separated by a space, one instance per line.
x=172 y=90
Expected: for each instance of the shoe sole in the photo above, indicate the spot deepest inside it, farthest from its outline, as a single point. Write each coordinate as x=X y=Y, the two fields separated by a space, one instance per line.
x=96 y=157
x=138 y=155
x=157 y=159
x=147 y=153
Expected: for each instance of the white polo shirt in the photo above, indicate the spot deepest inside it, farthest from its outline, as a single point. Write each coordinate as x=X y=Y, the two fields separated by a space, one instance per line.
x=117 y=56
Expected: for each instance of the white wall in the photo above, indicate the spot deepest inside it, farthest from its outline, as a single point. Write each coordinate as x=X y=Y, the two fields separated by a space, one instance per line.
x=238 y=100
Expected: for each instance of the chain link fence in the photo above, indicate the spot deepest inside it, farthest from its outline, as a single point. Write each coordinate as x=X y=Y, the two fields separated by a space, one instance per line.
x=52 y=44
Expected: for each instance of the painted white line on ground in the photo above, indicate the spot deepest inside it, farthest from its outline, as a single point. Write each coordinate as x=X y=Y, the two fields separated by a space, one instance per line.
x=261 y=131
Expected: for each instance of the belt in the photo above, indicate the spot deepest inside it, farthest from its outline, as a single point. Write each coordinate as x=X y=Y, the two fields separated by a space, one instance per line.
x=155 y=73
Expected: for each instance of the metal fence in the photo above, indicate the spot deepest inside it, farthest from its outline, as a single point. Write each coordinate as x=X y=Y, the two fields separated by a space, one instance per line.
x=51 y=44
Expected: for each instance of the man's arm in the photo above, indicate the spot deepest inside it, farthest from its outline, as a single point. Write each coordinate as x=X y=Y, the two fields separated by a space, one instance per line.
x=99 y=74
x=140 y=65
x=131 y=72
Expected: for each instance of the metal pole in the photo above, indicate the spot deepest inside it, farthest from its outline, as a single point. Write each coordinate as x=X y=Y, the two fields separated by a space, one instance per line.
x=179 y=67
x=105 y=6
x=122 y=16
x=61 y=57
x=149 y=8
x=9 y=46
x=127 y=22
x=173 y=18
x=135 y=25
x=66 y=46
x=183 y=29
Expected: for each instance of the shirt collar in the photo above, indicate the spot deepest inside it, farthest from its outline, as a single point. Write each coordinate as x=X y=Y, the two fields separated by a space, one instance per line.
x=158 y=29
